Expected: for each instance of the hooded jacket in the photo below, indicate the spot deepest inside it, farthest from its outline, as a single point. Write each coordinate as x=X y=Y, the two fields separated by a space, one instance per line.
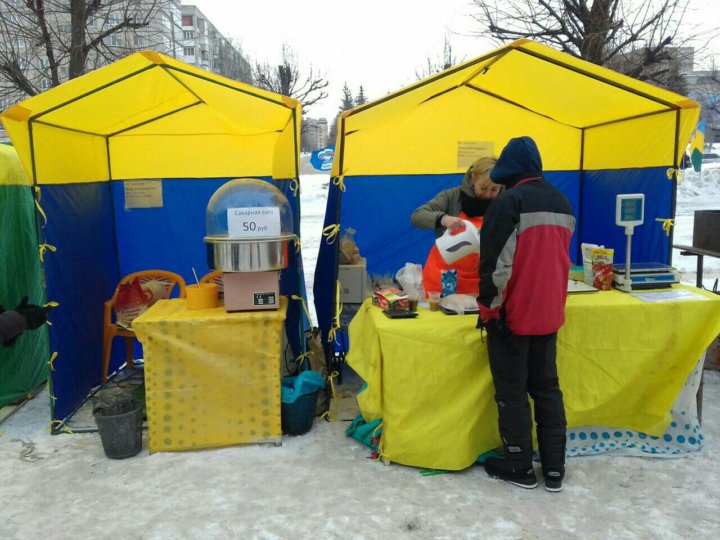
x=524 y=245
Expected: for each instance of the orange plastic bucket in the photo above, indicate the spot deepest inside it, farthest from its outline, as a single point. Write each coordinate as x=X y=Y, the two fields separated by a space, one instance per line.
x=202 y=296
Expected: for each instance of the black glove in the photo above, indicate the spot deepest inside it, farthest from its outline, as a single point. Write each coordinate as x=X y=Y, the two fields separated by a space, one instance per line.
x=34 y=315
x=2 y=309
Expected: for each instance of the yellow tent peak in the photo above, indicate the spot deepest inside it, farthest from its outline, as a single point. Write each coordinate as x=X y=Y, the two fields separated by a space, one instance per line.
x=17 y=112
x=153 y=56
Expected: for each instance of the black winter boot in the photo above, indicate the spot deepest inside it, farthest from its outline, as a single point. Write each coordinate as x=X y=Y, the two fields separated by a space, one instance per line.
x=523 y=476
x=554 y=479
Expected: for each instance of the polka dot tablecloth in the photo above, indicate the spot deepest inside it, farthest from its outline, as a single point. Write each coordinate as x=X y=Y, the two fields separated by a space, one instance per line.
x=212 y=378
x=683 y=435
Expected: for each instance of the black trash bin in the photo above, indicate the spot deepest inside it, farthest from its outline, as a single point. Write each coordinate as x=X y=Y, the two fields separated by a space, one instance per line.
x=297 y=417
x=120 y=427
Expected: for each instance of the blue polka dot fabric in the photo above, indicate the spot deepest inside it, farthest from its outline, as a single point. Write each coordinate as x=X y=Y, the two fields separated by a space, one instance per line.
x=683 y=436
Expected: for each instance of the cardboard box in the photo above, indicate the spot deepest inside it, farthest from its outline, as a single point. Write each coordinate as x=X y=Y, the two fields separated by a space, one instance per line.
x=251 y=291
x=705 y=230
x=353 y=283
x=390 y=298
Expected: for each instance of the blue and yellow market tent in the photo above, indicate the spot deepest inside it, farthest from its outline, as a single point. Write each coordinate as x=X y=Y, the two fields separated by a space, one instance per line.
x=86 y=143
x=24 y=366
x=600 y=133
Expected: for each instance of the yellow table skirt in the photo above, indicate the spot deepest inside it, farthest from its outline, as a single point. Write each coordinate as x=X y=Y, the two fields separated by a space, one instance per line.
x=621 y=361
x=212 y=378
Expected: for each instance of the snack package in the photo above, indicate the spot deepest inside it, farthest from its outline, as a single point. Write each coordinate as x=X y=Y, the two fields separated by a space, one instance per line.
x=602 y=268
x=131 y=301
x=349 y=252
x=391 y=298
x=587 y=261
x=449 y=281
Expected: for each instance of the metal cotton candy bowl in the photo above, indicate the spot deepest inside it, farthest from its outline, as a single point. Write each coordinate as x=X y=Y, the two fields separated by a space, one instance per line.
x=249 y=224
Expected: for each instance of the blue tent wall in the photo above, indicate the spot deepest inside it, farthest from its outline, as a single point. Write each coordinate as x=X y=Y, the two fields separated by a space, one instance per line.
x=80 y=276
x=379 y=209
x=649 y=243
x=99 y=241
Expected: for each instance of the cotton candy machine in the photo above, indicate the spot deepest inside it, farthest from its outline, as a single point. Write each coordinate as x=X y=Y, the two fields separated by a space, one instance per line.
x=249 y=225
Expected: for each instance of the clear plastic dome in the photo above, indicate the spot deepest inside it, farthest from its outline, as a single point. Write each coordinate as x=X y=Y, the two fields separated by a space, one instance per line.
x=248 y=208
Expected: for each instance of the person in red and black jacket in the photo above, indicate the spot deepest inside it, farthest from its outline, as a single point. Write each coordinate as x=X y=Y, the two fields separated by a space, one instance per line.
x=524 y=267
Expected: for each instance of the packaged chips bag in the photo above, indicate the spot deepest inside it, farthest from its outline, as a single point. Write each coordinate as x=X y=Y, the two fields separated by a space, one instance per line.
x=602 y=268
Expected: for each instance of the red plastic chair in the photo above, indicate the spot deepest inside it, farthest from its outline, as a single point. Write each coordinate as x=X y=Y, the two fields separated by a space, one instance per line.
x=111 y=329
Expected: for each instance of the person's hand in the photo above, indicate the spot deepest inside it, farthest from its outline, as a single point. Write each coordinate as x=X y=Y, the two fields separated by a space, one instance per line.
x=34 y=315
x=452 y=223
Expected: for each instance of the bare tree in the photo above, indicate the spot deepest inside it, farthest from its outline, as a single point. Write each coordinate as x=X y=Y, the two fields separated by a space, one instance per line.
x=285 y=78
x=636 y=37
x=447 y=60
x=46 y=42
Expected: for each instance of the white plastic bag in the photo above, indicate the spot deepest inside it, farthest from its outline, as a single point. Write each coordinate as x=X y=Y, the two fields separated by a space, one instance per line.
x=410 y=279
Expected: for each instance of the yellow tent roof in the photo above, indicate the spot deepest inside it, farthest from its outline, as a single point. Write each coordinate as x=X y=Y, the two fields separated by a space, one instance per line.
x=583 y=116
x=151 y=116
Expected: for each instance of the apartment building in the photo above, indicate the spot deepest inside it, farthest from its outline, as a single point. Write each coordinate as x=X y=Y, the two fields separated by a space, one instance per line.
x=314 y=134
x=158 y=25
x=204 y=46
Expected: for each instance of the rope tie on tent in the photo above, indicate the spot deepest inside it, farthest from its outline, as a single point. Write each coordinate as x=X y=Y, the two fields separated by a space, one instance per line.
x=330 y=232
x=300 y=359
x=42 y=248
x=294 y=187
x=51 y=362
x=667 y=224
x=339 y=181
x=62 y=425
x=297 y=244
x=676 y=174
x=51 y=305
x=330 y=415
x=304 y=305
x=336 y=317
x=38 y=195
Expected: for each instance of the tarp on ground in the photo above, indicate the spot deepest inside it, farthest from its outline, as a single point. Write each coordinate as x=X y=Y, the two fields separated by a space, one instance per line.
x=125 y=159
x=24 y=366
x=600 y=133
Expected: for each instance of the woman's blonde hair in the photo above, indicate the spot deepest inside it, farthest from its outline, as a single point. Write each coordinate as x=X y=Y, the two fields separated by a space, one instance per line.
x=482 y=167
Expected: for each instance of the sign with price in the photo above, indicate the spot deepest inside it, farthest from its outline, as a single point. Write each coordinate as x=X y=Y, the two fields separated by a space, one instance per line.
x=256 y=222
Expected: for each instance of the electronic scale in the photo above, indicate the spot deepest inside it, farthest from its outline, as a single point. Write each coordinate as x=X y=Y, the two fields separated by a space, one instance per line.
x=630 y=212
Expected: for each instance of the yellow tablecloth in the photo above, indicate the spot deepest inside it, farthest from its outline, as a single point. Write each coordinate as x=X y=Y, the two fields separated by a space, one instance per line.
x=212 y=378
x=622 y=362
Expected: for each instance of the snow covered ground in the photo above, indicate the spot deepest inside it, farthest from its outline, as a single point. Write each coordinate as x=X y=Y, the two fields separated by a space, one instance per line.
x=321 y=485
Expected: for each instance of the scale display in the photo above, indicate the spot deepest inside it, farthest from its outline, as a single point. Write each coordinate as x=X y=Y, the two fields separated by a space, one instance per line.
x=630 y=209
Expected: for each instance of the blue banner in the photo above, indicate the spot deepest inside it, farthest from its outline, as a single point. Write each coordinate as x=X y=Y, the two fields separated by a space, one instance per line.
x=322 y=159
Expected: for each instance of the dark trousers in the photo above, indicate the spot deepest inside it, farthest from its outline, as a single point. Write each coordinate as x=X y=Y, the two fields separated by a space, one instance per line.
x=523 y=365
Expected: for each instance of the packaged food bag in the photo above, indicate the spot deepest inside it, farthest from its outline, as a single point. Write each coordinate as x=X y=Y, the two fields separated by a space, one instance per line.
x=602 y=268
x=132 y=301
x=349 y=252
x=449 y=281
x=392 y=298
x=587 y=262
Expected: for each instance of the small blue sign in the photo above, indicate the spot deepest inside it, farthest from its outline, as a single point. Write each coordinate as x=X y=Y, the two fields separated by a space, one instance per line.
x=322 y=159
